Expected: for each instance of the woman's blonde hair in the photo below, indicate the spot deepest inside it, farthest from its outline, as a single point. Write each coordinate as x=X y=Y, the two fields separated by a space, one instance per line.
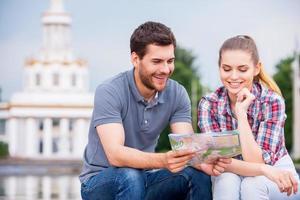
x=246 y=43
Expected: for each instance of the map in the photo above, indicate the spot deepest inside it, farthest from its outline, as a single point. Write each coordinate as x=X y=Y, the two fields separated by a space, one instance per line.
x=208 y=146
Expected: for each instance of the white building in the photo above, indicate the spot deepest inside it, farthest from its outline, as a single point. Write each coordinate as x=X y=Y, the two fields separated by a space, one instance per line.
x=49 y=118
x=296 y=109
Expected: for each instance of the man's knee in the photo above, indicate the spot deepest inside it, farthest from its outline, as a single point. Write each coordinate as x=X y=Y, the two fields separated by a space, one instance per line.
x=130 y=176
x=192 y=174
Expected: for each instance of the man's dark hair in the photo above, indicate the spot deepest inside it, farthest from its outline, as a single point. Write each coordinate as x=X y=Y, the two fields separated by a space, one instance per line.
x=150 y=33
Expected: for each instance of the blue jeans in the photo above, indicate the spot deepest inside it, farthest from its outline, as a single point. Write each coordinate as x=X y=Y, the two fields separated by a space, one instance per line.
x=133 y=184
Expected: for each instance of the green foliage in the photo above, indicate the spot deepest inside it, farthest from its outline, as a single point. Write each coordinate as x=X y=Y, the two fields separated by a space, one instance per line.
x=3 y=149
x=284 y=79
x=186 y=74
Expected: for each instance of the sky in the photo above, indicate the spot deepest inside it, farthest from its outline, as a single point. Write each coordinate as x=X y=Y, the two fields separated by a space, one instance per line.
x=101 y=32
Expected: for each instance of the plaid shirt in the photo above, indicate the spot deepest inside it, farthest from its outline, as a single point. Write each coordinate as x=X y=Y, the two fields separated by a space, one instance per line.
x=266 y=117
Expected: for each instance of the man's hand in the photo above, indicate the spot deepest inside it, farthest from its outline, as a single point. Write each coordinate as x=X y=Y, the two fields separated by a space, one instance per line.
x=214 y=169
x=175 y=161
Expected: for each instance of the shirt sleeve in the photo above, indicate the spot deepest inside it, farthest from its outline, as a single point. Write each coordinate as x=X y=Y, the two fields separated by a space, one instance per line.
x=206 y=118
x=107 y=106
x=182 y=111
x=270 y=134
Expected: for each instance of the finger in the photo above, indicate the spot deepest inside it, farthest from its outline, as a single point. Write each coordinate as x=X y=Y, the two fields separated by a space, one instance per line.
x=179 y=153
x=216 y=172
x=295 y=184
x=225 y=160
x=178 y=165
x=289 y=191
x=177 y=169
x=285 y=183
x=280 y=185
x=219 y=168
x=285 y=180
x=174 y=160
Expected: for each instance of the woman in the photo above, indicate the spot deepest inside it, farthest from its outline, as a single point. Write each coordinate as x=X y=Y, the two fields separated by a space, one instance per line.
x=251 y=102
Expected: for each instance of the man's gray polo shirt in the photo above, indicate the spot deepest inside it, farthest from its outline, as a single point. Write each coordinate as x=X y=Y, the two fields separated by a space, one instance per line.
x=118 y=101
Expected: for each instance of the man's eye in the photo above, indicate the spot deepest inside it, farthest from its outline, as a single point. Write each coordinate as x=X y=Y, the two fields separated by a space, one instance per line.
x=170 y=61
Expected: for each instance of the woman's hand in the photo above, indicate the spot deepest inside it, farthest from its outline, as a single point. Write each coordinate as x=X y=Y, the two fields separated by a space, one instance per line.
x=243 y=101
x=283 y=178
x=214 y=169
x=175 y=161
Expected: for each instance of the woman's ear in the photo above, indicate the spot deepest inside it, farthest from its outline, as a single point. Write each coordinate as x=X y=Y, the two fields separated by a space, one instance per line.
x=257 y=68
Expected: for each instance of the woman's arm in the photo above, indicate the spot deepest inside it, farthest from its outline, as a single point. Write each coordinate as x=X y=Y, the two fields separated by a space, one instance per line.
x=251 y=151
x=283 y=178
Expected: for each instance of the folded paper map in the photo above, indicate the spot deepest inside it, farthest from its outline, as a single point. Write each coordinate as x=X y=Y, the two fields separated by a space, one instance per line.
x=208 y=146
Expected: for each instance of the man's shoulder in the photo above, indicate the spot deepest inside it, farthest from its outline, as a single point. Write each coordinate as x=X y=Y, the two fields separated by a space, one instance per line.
x=113 y=87
x=116 y=82
x=174 y=86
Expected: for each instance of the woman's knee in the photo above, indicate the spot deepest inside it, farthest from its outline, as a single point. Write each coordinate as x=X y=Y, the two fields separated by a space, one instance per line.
x=254 y=188
x=226 y=186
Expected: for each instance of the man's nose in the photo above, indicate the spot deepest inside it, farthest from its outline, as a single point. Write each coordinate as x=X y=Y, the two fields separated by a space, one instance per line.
x=165 y=68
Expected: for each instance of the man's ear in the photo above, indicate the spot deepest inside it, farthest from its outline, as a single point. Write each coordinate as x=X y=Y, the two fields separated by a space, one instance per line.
x=258 y=68
x=135 y=59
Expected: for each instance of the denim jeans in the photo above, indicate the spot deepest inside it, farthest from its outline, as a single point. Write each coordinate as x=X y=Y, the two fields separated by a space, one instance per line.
x=133 y=184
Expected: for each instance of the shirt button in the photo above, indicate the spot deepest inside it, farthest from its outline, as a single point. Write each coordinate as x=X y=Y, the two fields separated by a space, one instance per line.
x=146 y=121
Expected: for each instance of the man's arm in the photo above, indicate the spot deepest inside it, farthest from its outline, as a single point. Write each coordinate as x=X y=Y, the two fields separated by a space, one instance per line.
x=182 y=127
x=112 y=138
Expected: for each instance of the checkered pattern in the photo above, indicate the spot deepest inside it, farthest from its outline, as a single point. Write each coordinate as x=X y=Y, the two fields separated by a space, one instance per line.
x=266 y=117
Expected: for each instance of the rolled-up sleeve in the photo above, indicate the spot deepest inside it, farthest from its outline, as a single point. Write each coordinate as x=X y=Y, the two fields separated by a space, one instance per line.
x=206 y=119
x=270 y=134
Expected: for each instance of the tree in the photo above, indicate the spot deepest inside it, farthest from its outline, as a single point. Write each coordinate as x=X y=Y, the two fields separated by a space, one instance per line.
x=186 y=74
x=284 y=79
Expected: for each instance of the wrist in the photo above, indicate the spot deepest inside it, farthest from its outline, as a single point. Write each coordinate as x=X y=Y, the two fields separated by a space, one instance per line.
x=262 y=169
x=163 y=160
x=241 y=115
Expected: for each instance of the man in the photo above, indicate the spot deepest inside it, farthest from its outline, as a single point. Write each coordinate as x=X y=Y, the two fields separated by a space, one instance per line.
x=130 y=112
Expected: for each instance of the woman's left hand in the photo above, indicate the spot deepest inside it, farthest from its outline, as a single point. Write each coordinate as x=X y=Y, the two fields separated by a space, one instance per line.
x=244 y=99
x=284 y=179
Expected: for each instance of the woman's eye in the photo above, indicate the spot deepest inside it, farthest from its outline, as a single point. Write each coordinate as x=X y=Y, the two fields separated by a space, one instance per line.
x=226 y=69
x=243 y=70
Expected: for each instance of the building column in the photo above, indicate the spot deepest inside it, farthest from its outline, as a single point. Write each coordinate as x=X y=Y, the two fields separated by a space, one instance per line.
x=11 y=187
x=31 y=186
x=64 y=187
x=47 y=137
x=31 y=137
x=46 y=188
x=296 y=109
x=12 y=131
x=64 y=142
x=78 y=138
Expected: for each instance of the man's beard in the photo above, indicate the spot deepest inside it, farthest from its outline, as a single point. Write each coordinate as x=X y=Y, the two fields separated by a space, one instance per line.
x=146 y=80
